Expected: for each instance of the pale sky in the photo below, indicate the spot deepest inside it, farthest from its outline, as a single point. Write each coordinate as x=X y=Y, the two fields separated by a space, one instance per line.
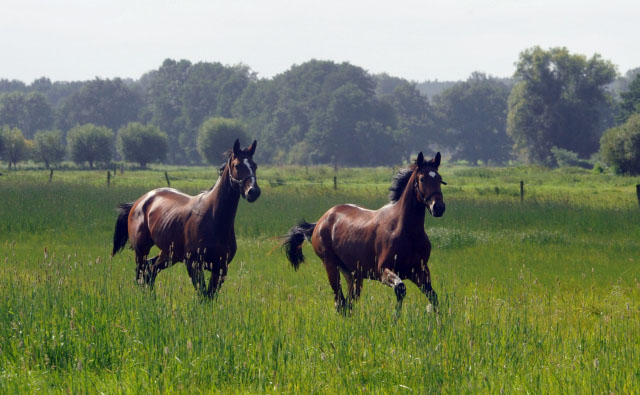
x=417 y=40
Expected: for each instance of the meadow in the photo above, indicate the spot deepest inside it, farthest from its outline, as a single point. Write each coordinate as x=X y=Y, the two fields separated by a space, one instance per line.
x=541 y=295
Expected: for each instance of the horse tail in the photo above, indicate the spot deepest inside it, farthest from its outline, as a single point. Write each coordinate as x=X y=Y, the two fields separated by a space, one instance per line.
x=121 y=234
x=293 y=241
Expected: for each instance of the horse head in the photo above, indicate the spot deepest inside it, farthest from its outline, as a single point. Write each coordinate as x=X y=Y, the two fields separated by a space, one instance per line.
x=427 y=184
x=242 y=171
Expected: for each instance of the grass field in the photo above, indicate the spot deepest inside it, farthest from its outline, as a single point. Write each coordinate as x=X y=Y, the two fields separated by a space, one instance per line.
x=538 y=296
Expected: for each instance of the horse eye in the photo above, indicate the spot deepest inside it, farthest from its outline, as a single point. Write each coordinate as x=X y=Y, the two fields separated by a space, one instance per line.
x=421 y=178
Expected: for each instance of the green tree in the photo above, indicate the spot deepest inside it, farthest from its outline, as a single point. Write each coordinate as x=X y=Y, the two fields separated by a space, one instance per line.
x=48 y=147
x=474 y=114
x=620 y=146
x=15 y=146
x=90 y=143
x=217 y=135
x=557 y=102
x=165 y=99
x=109 y=103
x=141 y=143
x=630 y=100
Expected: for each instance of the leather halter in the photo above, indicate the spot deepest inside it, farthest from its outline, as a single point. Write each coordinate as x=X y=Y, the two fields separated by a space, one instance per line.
x=234 y=180
x=423 y=199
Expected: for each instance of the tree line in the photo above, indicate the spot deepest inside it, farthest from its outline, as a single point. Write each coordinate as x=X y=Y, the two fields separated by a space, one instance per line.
x=558 y=108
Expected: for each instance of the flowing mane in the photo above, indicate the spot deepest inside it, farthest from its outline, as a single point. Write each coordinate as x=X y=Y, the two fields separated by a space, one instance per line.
x=400 y=182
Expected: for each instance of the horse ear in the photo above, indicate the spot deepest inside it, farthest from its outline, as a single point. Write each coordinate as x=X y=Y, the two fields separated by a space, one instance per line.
x=436 y=160
x=252 y=148
x=420 y=159
x=236 y=148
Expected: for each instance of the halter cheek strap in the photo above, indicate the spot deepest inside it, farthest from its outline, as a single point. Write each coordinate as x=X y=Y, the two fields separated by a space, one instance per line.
x=234 y=180
x=423 y=199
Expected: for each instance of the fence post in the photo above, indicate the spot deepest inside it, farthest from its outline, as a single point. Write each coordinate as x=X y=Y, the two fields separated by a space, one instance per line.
x=166 y=176
x=521 y=191
x=51 y=175
x=335 y=182
x=638 y=192
x=108 y=178
x=121 y=168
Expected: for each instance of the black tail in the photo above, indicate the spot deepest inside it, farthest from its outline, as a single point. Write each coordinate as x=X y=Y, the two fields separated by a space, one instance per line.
x=293 y=242
x=121 y=235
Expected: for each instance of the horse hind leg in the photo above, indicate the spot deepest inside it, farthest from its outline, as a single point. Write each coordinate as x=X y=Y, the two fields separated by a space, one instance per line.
x=155 y=265
x=333 y=273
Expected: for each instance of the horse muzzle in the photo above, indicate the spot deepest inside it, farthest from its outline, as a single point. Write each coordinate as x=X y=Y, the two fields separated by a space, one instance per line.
x=253 y=193
x=436 y=208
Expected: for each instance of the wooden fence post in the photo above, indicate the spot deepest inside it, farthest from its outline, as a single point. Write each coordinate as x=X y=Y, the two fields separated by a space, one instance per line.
x=51 y=175
x=335 y=182
x=166 y=176
x=638 y=192
x=121 y=168
x=108 y=178
x=521 y=191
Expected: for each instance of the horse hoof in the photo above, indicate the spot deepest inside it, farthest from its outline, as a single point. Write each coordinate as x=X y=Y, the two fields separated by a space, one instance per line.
x=401 y=291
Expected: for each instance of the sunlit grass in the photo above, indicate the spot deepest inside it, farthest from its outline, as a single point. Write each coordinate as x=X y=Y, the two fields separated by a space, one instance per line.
x=540 y=296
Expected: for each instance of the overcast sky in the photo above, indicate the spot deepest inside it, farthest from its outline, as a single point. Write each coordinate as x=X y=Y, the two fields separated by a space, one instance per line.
x=418 y=40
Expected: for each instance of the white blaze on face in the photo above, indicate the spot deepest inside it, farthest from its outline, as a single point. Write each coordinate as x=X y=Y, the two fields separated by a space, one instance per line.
x=253 y=177
x=432 y=174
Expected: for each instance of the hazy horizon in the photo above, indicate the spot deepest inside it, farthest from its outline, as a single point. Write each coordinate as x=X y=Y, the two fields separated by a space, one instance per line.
x=69 y=40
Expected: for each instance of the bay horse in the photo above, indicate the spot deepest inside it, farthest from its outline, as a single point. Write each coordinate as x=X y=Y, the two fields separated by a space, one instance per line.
x=197 y=230
x=388 y=244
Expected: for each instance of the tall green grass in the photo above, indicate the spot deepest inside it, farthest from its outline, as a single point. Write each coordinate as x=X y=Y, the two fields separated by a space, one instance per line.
x=540 y=296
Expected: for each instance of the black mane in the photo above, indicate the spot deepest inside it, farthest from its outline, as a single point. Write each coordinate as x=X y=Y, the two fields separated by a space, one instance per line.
x=399 y=183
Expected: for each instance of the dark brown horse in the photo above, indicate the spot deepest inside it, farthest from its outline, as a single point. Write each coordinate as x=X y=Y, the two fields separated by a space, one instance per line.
x=388 y=244
x=197 y=230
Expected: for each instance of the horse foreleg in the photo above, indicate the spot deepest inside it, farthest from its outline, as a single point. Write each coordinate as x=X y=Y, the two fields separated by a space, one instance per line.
x=422 y=278
x=393 y=280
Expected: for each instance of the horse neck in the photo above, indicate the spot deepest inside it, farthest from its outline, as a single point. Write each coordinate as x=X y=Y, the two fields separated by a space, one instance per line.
x=222 y=200
x=411 y=211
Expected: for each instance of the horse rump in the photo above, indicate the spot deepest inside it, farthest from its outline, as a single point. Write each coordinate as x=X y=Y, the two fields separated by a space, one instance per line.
x=293 y=241
x=121 y=234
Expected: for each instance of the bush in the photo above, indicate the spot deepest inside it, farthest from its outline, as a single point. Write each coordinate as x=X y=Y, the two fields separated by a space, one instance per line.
x=48 y=147
x=14 y=146
x=141 y=143
x=565 y=158
x=90 y=143
x=620 y=146
x=217 y=135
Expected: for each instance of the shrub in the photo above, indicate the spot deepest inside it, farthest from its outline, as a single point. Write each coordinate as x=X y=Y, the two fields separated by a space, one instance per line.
x=620 y=146
x=14 y=145
x=48 y=147
x=141 y=143
x=216 y=135
x=90 y=143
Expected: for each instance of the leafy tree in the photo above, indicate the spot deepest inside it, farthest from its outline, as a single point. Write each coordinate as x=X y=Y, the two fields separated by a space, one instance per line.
x=48 y=147
x=165 y=95
x=557 y=102
x=90 y=143
x=620 y=146
x=474 y=114
x=109 y=103
x=141 y=143
x=27 y=112
x=415 y=118
x=217 y=135
x=15 y=146
x=630 y=100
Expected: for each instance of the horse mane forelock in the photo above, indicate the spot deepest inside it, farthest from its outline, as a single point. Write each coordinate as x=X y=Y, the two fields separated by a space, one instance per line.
x=399 y=183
